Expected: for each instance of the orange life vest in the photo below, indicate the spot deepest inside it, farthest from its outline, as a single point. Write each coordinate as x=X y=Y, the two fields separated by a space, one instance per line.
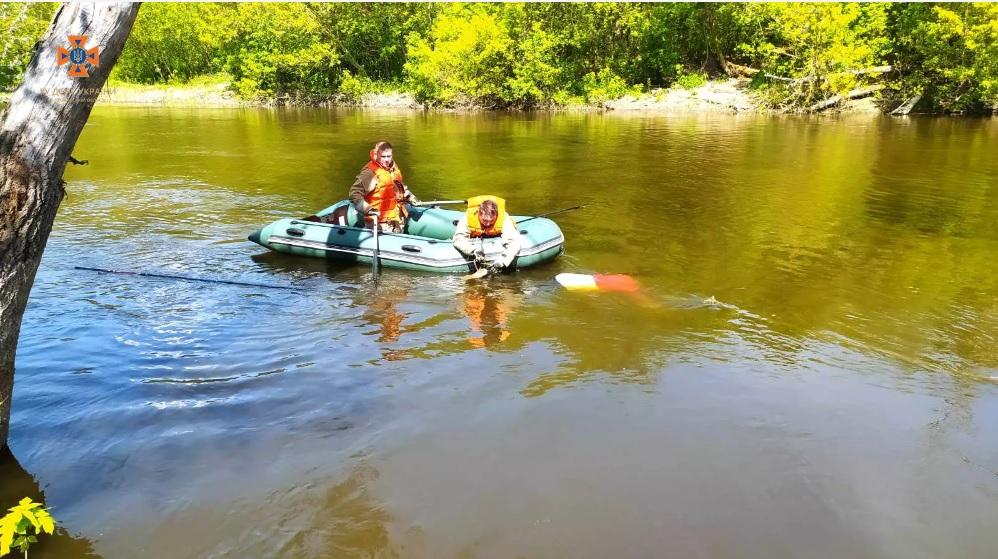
x=387 y=194
x=475 y=228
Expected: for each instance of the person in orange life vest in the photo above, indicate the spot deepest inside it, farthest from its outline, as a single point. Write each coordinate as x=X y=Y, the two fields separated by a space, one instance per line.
x=379 y=191
x=485 y=218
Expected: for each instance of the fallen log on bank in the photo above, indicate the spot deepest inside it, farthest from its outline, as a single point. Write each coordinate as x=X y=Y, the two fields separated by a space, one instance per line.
x=907 y=106
x=735 y=70
x=836 y=99
x=871 y=70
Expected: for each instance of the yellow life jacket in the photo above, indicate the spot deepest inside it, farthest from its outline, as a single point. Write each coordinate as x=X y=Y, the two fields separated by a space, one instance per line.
x=387 y=194
x=475 y=226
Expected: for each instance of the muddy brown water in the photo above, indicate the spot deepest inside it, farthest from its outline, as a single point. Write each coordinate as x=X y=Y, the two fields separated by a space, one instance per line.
x=808 y=370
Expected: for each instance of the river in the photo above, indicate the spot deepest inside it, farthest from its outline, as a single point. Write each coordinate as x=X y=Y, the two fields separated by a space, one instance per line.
x=809 y=369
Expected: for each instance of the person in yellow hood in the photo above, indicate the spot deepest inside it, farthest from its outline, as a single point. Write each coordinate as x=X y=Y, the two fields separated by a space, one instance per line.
x=379 y=191
x=486 y=218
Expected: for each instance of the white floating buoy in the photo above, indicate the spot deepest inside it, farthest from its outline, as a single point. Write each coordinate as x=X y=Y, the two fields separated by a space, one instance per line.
x=582 y=282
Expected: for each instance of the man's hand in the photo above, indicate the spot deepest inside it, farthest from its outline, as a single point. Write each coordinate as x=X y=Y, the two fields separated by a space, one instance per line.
x=410 y=197
x=373 y=212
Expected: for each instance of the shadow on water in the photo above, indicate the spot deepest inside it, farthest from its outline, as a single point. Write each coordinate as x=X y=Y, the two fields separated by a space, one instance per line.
x=17 y=484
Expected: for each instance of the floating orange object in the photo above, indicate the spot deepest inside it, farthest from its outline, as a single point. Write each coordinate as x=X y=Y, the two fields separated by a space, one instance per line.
x=598 y=282
x=616 y=282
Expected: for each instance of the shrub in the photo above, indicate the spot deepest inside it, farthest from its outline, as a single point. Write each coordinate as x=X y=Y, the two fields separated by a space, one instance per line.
x=600 y=87
x=17 y=526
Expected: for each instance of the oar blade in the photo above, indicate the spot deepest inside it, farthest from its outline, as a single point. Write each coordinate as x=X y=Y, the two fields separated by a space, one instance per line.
x=375 y=265
x=479 y=273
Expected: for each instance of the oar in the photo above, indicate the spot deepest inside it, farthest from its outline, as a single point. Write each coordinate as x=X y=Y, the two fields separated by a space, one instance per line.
x=555 y=212
x=440 y=203
x=479 y=273
x=374 y=261
x=183 y=278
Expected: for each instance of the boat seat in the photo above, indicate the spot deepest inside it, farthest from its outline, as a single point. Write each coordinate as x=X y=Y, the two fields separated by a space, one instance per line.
x=434 y=224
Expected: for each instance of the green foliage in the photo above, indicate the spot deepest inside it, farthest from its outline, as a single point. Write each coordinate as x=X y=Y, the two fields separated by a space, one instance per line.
x=690 y=81
x=535 y=78
x=17 y=525
x=523 y=54
x=600 y=87
x=690 y=35
x=23 y=24
x=468 y=55
x=278 y=50
x=370 y=38
x=535 y=54
x=175 y=42
x=818 y=47
x=949 y=52
x=352 y=88
x=586 y=38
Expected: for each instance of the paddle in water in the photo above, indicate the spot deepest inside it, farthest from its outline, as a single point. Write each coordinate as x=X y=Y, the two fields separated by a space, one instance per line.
x=481 y=270
x=479 y=273
x=375 y=265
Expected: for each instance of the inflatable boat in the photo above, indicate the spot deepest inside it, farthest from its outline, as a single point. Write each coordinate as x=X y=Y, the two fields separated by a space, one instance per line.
x=426 y=244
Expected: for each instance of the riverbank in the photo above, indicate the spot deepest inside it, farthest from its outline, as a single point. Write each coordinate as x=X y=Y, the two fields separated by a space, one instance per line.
x=719 y=96
x=203 y=94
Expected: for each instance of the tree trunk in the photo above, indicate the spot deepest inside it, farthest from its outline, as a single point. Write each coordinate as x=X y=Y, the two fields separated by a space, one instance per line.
x=904 y=108
x=39 y=129
x=836 y=99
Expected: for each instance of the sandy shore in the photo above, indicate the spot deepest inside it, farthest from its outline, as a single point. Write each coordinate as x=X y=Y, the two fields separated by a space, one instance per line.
x=721 y=96
x=718 y=96
x=210 y=95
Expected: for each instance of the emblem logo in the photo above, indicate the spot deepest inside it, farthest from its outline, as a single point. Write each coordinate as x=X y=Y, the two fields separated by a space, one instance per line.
x=78 y=56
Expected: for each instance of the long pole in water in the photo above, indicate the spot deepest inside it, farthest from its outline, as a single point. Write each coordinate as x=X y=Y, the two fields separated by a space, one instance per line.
x=183 y=278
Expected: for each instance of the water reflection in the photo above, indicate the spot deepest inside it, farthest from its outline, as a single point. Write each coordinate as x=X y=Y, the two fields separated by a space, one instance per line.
x=383 y=311
x=15 y=484
x=489 y=310
x=345 y=521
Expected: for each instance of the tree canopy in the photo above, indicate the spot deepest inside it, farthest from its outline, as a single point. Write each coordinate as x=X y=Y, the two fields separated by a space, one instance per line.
x=537 y=54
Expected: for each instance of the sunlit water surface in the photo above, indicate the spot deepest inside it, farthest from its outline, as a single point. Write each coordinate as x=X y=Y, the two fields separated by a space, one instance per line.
x=808 y=370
